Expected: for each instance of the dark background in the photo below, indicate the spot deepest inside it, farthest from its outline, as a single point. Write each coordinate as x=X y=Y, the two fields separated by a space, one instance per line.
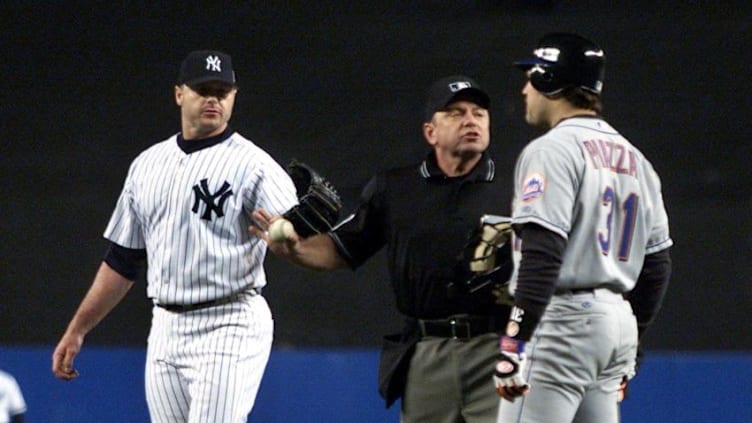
x=88 y=85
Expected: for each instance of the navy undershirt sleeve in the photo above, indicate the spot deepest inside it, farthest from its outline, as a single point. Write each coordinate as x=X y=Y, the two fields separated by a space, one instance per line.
x=126 y=261
x=647 y=296
x=542 y=252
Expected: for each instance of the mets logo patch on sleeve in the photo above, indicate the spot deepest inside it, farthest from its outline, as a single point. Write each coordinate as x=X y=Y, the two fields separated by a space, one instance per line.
x=533 y=187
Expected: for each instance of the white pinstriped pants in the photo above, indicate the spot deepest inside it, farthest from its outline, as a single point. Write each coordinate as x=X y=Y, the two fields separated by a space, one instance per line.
x=206 y=365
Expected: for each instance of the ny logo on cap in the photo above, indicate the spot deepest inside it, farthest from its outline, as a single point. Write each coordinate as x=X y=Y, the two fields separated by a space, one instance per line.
x=459 y=85
x=213 y=63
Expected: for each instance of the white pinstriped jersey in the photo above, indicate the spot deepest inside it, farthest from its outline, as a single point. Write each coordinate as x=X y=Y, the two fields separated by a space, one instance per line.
x=191 y=213
x=11 y=399
x=587 y=183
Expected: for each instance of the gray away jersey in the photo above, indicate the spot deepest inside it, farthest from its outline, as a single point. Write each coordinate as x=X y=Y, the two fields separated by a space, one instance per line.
x=587 y=183
x=191 y=213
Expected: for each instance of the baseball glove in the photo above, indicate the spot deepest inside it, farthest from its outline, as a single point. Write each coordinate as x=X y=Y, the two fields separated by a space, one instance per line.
x=486 y=260
x=495 y=231
x=318 y=202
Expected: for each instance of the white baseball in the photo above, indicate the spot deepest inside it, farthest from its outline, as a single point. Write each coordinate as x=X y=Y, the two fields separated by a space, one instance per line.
x=280 y=230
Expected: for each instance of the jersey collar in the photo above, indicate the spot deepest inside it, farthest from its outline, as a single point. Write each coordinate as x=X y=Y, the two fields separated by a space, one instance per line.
x=580 y=116
x=192 y=146
x=483 y=171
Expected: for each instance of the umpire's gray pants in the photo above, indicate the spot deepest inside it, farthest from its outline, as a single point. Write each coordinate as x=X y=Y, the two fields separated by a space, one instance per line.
x=451 y=381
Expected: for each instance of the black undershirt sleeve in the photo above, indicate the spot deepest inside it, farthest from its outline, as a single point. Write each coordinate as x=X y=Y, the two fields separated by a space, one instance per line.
x=542 y=252
x=647 y=296
x=126 y=261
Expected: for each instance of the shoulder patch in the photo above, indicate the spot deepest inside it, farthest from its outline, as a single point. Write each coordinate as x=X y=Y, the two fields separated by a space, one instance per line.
x=533 y=187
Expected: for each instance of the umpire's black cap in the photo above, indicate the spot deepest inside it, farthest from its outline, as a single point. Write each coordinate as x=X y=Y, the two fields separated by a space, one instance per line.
x=206 y=65
x=454 y=88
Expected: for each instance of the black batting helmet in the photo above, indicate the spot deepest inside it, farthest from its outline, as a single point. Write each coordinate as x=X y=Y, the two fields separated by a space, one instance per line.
x=563 y=60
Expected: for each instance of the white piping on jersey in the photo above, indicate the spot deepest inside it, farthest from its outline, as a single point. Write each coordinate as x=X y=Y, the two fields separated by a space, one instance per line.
x=424 y=170
x=489 y=173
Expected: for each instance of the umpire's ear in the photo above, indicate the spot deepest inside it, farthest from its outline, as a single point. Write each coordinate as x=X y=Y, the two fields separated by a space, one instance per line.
x=429 y=132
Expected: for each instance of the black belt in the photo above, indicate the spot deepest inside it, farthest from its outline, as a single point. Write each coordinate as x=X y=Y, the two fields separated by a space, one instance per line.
x=460 y=327
x=182 y=308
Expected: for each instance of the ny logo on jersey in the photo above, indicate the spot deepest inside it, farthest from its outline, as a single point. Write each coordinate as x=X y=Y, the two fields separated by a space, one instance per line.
x=210 y=199
x=213 y=63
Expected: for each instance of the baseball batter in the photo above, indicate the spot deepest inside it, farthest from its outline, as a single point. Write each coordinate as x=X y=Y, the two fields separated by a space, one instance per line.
x=591 y=226
x=185 y=207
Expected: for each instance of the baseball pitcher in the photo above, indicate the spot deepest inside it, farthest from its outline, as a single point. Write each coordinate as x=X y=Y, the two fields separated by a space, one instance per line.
x=185 y=207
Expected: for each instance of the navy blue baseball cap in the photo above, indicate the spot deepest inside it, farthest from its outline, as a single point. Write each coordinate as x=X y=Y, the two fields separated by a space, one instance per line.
x=451 y=89
x=204 y=66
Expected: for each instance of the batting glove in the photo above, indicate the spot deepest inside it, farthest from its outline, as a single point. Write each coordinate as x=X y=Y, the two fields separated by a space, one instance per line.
x=510 y=368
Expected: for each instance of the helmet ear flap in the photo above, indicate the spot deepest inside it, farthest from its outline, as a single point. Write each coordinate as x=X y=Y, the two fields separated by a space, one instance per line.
x=545 y=81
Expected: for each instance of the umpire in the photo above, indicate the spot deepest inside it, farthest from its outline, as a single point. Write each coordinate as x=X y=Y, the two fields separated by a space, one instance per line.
x=442 y=363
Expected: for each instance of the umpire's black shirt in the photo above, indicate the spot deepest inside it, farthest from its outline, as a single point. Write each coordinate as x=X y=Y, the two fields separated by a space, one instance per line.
x=425 y=219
